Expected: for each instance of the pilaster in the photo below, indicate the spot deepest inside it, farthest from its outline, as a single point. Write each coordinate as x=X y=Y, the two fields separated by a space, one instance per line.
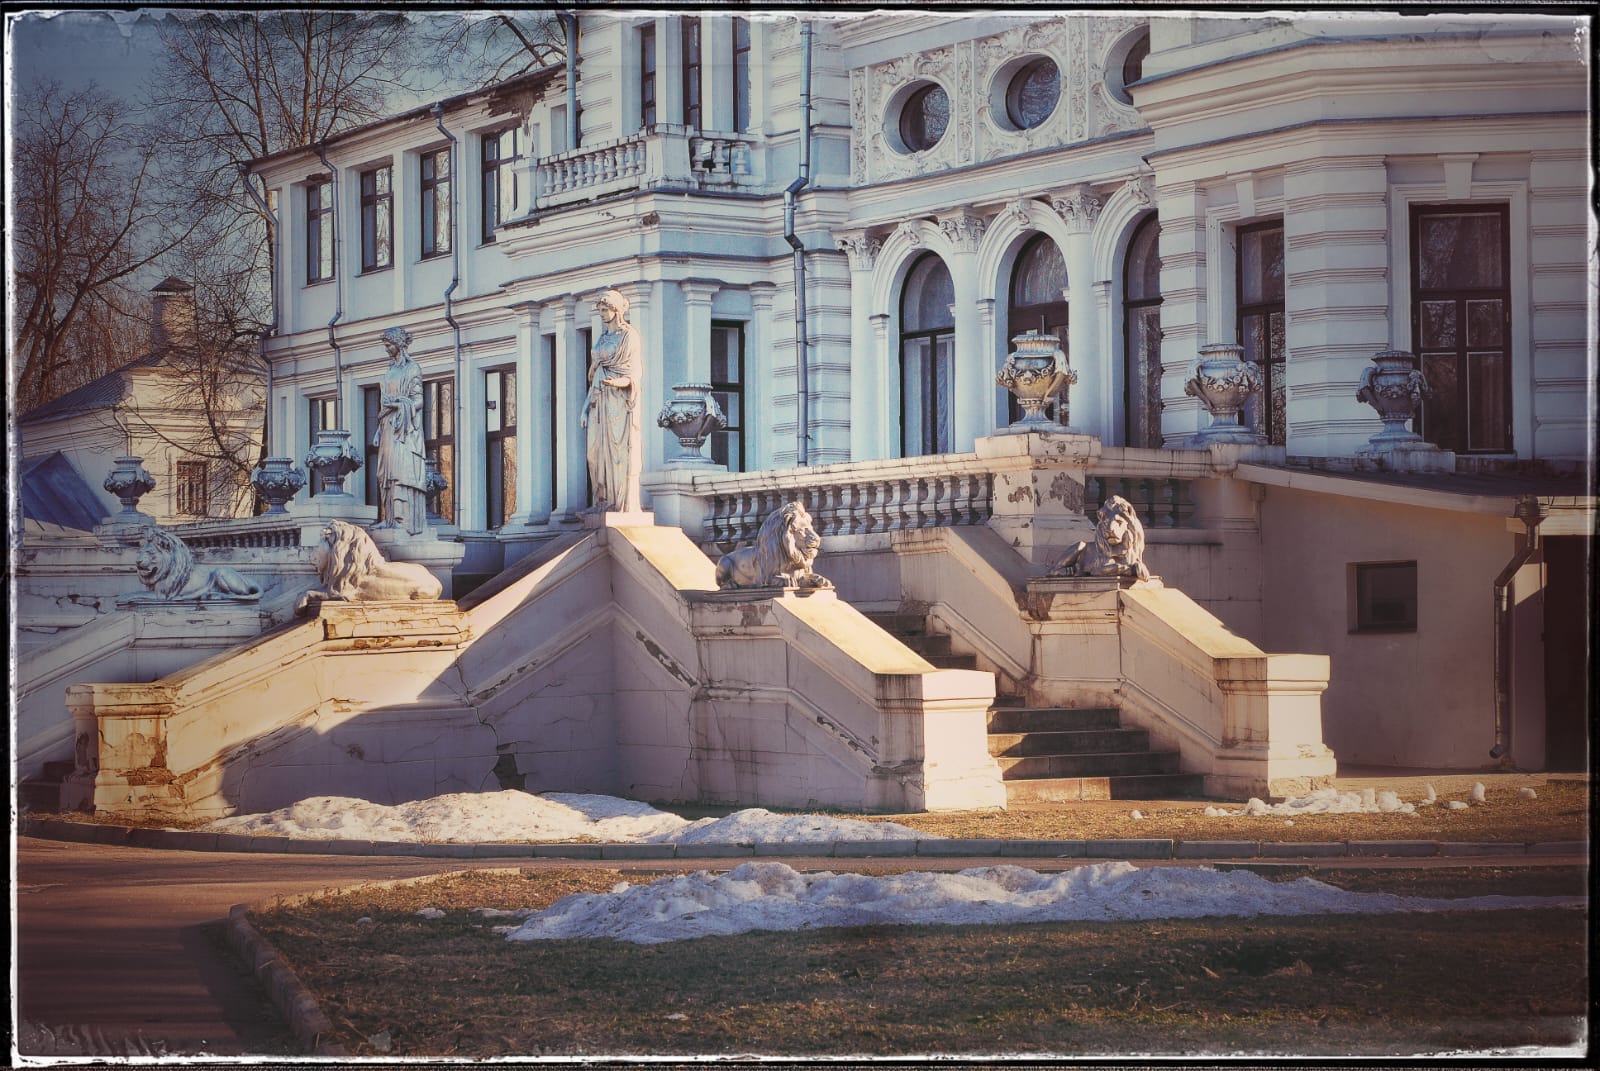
x=1079 y=208
x=974 y=377
x=533 y=420
x=758 y=371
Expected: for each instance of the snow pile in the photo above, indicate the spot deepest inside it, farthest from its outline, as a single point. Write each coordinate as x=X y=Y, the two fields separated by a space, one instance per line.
x=773 y=896
x=511 y=816
x=1322 y=801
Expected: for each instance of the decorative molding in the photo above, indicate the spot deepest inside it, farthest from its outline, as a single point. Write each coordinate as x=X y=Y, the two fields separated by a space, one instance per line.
x=963 y=229
x=861 y=248
x=912 y=233
x=1078 y=209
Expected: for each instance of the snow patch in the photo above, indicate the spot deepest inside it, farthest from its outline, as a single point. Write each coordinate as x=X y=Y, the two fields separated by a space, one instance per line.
x=1321 y=801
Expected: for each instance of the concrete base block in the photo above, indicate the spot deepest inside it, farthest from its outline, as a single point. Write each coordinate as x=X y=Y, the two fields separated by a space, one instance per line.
x=1407 y=848
x=1129 y=849
x=867 y=849
x=1303 y=850
x=1216 y=849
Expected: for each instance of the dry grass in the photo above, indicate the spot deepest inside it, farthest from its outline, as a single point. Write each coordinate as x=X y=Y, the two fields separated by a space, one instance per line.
x=1374 y=985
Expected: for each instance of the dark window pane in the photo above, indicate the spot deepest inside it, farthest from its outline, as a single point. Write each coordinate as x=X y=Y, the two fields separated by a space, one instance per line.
x=1133 y=63
x=1485 y=323
x=1144 y=377
x=1459 y=250
x=1439 y=412
x=928 y=296
x=1438 y=325
x=924 y=118
x=1143 y=278
x=1386 y=596
x=1261 y=254
x=1041 y=274
x=1486 y=402
x=1033 y=93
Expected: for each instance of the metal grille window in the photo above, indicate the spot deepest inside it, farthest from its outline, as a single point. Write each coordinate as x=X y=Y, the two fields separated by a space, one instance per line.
x=500 y=445
x=1384 y=597
x=1141 y=337
x=435 y=202
x=741 y=74
x=377 y=218
x=319 y=231
x=647 y=76
x=727 y=387
x=1039 y=303
x=501 y=158
x=1261 y=323
x=690 y=30
x=1461 y=324
x=191 y=488
x=439 y=438
x=927 y=358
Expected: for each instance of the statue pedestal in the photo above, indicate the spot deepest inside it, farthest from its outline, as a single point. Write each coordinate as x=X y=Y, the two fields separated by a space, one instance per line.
x=439 y=556
x=1039 y=479
x=314 y=513
x=615 y=519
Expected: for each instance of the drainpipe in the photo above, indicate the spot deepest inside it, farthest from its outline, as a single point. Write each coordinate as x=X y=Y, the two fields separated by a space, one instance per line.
x=802 y=343
x=1529 y=513
x=569 y=26
x=338 y=292
x=272 y=287
x=449 y=309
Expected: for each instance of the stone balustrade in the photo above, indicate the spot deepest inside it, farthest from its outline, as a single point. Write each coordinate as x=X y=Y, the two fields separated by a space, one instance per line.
x=245 y=533
x=663 y=154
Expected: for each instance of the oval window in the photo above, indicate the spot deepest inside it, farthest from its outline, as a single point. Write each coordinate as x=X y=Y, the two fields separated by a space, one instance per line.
x=924 y=117
x=1033 y=93
x=1127 y=64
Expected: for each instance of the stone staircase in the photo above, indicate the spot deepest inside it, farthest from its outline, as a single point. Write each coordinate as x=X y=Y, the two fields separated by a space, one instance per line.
x=1057 y=754
x=42 y=794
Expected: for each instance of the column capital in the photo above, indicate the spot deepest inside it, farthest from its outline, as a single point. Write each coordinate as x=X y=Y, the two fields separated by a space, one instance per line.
x=698 y=291
x=963 y=228
x=1078 y=208
x=1141 y=186
x=528 y=310
x=761 y=295
x=986 y=306
x=1019 y=211
x=861 y=248
x=912 y=233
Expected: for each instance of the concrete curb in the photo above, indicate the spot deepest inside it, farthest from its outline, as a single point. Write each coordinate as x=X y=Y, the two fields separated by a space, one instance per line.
x=307 y=1021
x=1130 y=848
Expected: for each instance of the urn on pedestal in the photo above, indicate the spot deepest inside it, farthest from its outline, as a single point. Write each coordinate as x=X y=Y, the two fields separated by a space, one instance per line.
x=1036 y=372
x=433 y=482
x=1395 y=387
x=692 y=415
x=129 y=481
x=331 y=460
x=1223 y=381
x=277 y=481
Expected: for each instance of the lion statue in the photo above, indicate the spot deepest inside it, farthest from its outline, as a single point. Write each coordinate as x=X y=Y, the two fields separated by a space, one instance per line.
x=352 y=569
x=1118 y=547
x=165 y=566
x=785 y=548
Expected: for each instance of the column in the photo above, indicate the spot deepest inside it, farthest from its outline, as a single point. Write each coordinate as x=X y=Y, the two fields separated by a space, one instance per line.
x=758 y=373
x=572 y=465
x=867 y=405
x=1079 y=209
x=1184 y=323
x=883 y=431
x=642 y=314
x=697 y=295
x=533 y=422
x=974 y=369
x=1112 y=431
x=994 y=416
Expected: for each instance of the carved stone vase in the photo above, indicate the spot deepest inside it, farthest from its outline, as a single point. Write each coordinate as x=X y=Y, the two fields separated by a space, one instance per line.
x=1395 y=387
x=433 y=482
x=129 y=481
x=1223 y=381
x=1035 y=373
x=691 y=415
x=331 y=460
x=277 y=480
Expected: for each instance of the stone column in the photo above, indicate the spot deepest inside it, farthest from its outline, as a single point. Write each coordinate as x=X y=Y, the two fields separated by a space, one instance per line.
x=882 y=432
x=758 y=373
x=991 y=353
x=1184 y=287
x=642 y=313
x=973 y=375
x=572 y=466
x=1080 y=208
x=533 y=423
x=696 y=365
x=866 y=405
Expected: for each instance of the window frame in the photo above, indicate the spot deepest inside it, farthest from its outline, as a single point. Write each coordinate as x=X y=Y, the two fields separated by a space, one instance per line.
x=1014 y=88
x=494 y=171
x=723 y=388
x=434 y=191
x=690 y=43
x=935 y=382
x=1274 y=370
x=1036 y=317
x=191 y=488
x=648 y=98
x=1361 y=620
x=1131 y=306
x=740 y=66
x=320 y=246
x=911 y=112
x=440 y=445
x=322 y=414
x=371 y=403
x=499 y=445
x=376 y=224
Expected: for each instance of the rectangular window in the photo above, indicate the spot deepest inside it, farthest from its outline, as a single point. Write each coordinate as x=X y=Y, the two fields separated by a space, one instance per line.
x=322 y=415
x=500 y=441
x=741 y=74
x=581 y=389
x=439 y=439
x=370 y=403
x=501 y=159
x=927 y=363
x=1461 y=324
x=377 y=218
x=691 y=72
x=1261 y=323
x=319 y=231
x=1384 y=597
x=554 y=472
x=647 y=76
x=435 y=203
x=191 y=489
x=727 y=387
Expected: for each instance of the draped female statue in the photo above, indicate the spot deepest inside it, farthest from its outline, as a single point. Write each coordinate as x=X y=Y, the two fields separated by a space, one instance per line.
x=611 y=410
x=402 y=468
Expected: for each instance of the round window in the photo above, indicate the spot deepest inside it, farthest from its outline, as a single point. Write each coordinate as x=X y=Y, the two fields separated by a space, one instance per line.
x=924 y=117
x=1032 y=93
x=1126 y=64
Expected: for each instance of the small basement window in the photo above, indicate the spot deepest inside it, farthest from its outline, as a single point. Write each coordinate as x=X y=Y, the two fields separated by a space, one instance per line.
x=1383 y=597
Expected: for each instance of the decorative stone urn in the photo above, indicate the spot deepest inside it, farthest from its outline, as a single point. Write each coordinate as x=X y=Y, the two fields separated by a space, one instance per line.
x=1395 y=387
x=277 y=480
x=1035 y=373
x=692 y=415
x=1223 y=381
x=432 y=483
x=130 y=482
x=331 y=460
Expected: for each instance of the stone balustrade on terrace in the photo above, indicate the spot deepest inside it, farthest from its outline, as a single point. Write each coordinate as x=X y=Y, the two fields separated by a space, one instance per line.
x=662 y=155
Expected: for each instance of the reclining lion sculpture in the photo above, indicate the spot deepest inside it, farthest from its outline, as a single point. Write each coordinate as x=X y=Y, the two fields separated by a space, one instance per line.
x=166 y=567
x=785 y=548
x=1118 y=547
x=352 y=569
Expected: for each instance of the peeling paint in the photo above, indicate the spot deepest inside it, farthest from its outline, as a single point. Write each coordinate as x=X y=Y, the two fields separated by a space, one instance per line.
x=654 y=650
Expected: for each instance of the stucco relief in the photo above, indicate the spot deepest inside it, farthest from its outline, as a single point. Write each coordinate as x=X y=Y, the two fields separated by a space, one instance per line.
x=964 y=230
x=858 y=126
x=994 y=53
x=1107 y=114
x=862 y=249
x=881 y=83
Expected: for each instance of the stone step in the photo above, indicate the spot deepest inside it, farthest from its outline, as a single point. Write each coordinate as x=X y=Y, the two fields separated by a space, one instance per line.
x=1008 y=702
x=953 y=661
x=899 y=624
x=1068 y=789
x=1007 y=718
x=1108 y=764
x=929 y=646
x=1080 y=742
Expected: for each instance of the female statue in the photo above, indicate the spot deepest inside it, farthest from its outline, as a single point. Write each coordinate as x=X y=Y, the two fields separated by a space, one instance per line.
x=402 y=471
x=611 y=410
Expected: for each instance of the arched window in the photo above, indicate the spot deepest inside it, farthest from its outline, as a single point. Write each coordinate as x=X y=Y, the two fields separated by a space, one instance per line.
x=927 y=357
x=1141 y=337
x=1038 y=301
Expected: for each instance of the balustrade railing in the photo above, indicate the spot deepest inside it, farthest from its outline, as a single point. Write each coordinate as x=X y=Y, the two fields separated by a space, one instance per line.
x=1162 y=501
x=245 y=533
x=591 y=171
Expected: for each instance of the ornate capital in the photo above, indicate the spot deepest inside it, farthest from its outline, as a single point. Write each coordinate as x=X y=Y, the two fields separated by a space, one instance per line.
x=1142 y=188
x=1078 y=208
x=1018 y=210
x=860 y=248
x=698 y=291
x=964 y=229
x=912 y=232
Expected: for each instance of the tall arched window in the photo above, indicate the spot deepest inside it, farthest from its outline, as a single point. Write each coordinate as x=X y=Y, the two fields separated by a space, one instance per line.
x=1039 y=301
x=927 y=357
x=1141 y=337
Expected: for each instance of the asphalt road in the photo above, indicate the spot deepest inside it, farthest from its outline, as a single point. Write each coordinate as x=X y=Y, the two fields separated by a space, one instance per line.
x=119 y=950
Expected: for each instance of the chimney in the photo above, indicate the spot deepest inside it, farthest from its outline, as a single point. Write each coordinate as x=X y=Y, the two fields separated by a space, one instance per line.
x=171 y=313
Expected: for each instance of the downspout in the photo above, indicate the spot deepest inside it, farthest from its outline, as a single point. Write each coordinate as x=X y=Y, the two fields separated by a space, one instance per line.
x=272 y=288
x=802 y=342
x=1529 y=513
x=338 y=292
x=449 y=311
x=569 y=26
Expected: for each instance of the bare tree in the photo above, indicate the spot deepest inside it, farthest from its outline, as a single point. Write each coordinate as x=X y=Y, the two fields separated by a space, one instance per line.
x=90 y=213
x=488 y=47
